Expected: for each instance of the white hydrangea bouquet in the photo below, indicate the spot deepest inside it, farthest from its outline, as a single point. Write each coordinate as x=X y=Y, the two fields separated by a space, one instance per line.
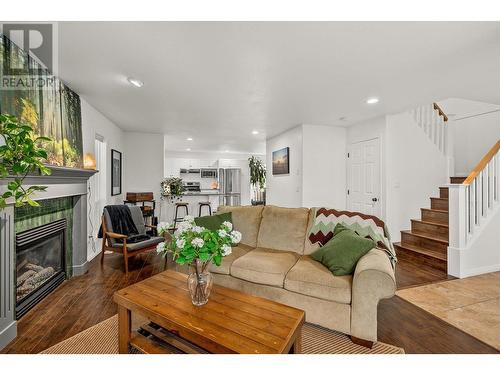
x=198 y=247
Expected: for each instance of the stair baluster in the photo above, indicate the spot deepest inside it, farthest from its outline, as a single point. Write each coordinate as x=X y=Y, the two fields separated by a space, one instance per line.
x=474 y=200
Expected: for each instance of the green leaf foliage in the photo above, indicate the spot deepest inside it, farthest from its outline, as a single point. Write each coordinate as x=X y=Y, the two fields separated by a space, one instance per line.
x=257 y=172
x=21 y=153
x=192 y=244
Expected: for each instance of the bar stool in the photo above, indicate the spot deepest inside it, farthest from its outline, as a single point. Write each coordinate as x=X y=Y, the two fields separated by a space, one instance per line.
x=178 y=219
x=204 y=204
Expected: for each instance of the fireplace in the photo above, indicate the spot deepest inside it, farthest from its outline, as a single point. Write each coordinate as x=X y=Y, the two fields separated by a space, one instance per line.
x=40 y=263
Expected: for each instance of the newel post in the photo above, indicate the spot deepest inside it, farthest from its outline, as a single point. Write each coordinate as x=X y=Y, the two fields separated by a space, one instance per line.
x=458 y=212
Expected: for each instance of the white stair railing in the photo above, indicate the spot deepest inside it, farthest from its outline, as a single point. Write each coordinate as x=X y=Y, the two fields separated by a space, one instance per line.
x=472 y=202
x=432 y=120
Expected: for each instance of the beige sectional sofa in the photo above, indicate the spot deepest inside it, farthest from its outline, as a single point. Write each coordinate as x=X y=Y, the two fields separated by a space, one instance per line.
x=272 y=261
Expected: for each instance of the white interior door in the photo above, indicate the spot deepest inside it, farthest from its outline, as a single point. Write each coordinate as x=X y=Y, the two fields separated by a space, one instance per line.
x=363 y=171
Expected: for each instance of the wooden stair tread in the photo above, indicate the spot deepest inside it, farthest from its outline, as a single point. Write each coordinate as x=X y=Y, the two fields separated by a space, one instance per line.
x=417 y=249
x=439 y=198
x=434 y=210
x=457 y=179
x=431 y=222
x=426 y=236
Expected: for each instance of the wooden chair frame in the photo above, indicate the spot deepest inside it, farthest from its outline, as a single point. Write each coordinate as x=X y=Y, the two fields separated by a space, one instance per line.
x=107 y=235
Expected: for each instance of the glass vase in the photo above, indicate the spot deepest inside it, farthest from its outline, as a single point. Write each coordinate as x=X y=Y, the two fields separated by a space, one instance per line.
x=199 y=283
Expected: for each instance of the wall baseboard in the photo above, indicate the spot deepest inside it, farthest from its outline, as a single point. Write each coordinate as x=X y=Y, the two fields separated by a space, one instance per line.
x=80 y=269
x=8 y=334
x=455 y=268
x=479 y=270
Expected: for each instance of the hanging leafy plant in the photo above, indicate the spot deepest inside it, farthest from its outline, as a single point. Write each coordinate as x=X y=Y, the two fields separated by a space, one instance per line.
x=257 y=172
x=20 y=155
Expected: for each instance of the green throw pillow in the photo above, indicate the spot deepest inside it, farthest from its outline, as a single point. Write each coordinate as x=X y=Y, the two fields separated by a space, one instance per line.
x=341 y=254
x=339 y=228
x=213 y=222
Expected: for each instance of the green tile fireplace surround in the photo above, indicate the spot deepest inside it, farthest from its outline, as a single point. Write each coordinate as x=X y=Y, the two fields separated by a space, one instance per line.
x=50 y=210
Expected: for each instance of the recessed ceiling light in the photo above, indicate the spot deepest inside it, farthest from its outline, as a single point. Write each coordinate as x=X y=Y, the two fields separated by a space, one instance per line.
x=255 y=132
x=189 y=139
x=372 y=100
x=135 y=82
x=188 y=149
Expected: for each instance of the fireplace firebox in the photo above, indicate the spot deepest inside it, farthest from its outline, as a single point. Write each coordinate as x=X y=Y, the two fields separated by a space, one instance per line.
x=40 y=263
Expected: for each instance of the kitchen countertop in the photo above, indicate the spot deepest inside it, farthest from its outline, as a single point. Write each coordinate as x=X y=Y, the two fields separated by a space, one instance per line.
x=211 y=193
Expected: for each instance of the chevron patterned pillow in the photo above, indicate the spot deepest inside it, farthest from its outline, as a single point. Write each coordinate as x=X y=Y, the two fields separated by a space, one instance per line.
x=365 y=225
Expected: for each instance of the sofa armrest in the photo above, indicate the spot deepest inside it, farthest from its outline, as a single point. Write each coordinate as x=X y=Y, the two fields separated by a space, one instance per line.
x=373 y=280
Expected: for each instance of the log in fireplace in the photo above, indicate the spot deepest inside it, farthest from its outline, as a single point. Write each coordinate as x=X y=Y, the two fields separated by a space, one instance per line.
x=40 y=263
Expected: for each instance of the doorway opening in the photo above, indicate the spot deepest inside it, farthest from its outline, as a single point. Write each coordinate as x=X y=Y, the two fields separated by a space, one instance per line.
x=97 y=195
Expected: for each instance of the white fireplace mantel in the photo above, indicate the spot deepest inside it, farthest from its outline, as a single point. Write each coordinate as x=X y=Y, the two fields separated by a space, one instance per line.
x=63 y=182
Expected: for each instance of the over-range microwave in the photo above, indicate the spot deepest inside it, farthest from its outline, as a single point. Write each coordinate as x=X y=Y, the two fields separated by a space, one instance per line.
x=208 y=172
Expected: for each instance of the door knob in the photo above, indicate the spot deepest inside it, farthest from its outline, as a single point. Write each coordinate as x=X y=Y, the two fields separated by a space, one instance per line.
x=374 y=199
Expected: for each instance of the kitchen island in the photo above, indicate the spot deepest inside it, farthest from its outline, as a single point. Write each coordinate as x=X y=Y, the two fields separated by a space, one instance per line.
x=192 y=198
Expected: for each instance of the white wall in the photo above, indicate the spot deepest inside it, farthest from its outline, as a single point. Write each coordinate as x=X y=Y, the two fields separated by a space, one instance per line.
x=415 y=169
x=285 y=190
x=473 y=137
x=323 y=166
x=143 y=161
x=367 y=130
x=317 y=168
x=94 y=122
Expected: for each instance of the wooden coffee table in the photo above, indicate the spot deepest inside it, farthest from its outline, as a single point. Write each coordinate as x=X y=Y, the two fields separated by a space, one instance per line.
x=231 y=322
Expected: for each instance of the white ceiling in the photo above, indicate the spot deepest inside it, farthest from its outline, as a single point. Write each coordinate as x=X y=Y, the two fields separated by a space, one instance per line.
x=218 y=81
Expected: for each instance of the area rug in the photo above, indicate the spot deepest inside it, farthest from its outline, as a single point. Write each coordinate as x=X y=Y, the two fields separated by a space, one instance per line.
x=103 y=339
x=471 y=304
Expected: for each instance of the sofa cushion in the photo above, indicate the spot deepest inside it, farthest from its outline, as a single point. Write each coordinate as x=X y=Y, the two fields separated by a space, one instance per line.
x=264 y=266
x=311 y=278
x=283 y=228
x=246 y=219
x=227 y=261
x=310 y=247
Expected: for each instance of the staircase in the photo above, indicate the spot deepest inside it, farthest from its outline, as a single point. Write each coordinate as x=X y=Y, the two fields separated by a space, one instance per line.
x=427 y=240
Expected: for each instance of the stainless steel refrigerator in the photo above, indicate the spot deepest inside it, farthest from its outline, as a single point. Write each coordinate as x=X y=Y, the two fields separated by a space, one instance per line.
x=230 y=186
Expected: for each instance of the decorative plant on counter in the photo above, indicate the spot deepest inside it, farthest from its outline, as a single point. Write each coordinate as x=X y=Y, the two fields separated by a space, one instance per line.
x=172 y=188
x=20 y=155
x=198 y=247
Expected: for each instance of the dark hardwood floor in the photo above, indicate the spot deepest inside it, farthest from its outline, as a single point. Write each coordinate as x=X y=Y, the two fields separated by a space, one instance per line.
x=86 y=300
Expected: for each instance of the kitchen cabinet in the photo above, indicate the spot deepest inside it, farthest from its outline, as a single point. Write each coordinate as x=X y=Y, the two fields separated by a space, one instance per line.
x=228 y=163
x=208 y=163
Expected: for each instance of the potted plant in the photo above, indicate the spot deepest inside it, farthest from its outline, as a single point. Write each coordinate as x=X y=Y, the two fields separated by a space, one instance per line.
x=172 y=188
x=20 y=155
x=197 y=247
x=257 y=177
